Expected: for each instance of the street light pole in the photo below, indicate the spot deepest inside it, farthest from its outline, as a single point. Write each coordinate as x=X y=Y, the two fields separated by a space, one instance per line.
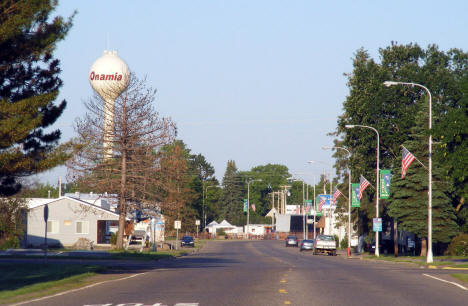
x=350 y=126
x=429 y=258
x=324 y=190
x=349 y=197
x=248 y=204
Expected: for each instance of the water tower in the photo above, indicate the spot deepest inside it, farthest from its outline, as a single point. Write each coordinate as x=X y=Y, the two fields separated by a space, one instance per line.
x=109 y=77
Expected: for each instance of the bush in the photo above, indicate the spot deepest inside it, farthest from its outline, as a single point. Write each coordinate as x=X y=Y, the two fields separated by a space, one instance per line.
x=344 y=243
x=458 y=246
x=113 y=239
x=221 y=232
x=11 y=242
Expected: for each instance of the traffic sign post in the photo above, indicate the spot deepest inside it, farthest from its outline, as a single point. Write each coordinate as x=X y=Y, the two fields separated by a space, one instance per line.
x=177 y=226
x=197 y=223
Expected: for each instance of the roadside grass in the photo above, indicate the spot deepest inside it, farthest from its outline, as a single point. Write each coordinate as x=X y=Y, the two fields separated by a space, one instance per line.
x=438 y=261
x=460 y=276
x=25 y=279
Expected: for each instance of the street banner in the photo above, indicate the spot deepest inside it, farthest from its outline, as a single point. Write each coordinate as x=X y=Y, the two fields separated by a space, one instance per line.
x=377 y=224
x=355 y=202
x=246 y=205
x=309 y=205
x=384 y=182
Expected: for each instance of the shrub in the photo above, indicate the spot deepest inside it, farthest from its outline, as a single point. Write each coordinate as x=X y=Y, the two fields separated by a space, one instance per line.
x=344 y=243
x=337 y=240
x=221 y=232
x=113 y=239
x=458 y=246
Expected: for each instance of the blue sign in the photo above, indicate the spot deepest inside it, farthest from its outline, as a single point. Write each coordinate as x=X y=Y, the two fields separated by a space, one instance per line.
x=377 y=224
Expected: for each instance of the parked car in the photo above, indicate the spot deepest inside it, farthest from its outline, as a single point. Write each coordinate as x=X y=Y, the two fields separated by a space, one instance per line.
x=187 y=241
x=291 y=240
x=325 y=244
x=307 y=245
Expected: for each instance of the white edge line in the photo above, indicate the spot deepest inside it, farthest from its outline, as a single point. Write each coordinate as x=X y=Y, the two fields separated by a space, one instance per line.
x=446 y=281
x=77 y=289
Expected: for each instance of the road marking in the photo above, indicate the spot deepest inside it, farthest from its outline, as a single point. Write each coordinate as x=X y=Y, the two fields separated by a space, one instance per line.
x=454 y=268
x=282 y=281
x=446 y=281
x=77 y=289
x=282 y=291
x=287 y=302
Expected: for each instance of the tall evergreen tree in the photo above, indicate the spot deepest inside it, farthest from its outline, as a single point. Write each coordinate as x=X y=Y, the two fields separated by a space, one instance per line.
x=408 y=203
x=29 y=85
x=231 y=200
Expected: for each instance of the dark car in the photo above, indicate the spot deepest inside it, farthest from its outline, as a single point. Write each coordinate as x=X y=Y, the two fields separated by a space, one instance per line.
x=187 y=241
x=291 y=240
x=307 y=245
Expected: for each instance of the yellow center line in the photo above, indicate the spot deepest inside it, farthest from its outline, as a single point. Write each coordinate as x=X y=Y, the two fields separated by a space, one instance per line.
x=287 y=302
x=283 y=281
x=282 y=291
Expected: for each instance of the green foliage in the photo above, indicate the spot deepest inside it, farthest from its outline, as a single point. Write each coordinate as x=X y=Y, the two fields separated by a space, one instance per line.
x=233 y=193
x=392 y=111
x=344 y=242
x=409 y=195
x=220 y=232
x=113 y=239
x=29 y=85
x=12 y=214
x=458 y=246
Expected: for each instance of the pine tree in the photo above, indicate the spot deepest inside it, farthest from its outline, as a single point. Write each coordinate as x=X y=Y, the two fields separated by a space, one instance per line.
x=231 y=200
x=409 y=201
x=29 y=85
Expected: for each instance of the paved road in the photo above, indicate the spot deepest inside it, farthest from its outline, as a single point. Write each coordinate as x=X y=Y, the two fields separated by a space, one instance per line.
x=267 y=273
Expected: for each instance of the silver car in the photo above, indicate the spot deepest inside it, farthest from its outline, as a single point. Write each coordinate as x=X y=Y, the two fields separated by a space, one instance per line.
x=307 y=245
x=291 y=240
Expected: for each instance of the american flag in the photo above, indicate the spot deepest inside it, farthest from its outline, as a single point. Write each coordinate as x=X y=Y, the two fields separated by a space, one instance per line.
x=253 y=207
x=336 y=195
x=363 y=183
x=322 y=201
x=406 y=160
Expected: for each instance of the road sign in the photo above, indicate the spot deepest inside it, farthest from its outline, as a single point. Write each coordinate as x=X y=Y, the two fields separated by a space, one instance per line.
x=177 y=224
x=384 y=183
x=377 y=224
x=355 y=202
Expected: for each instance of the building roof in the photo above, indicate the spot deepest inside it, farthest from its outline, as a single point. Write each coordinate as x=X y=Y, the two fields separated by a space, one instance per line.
x=37 y=202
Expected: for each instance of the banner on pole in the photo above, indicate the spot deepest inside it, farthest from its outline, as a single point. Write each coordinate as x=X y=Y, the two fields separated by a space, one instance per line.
x=377 y=224
x=309 y=206
x=355 y=202
x=246 y=205
x=323 y=201
x=384 y=182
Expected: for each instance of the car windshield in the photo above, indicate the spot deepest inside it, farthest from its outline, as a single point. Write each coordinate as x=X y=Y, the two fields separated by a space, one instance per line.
x=187 y=238
x=291 y=237
x=325 y=237
x=308 y=241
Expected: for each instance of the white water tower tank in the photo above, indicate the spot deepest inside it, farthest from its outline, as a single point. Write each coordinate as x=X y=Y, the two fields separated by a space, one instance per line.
x=109 y=77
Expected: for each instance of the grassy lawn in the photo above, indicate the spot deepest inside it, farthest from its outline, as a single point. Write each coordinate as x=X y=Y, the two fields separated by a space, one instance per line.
x=438 y=261
x=462 y=277
x=24 y=279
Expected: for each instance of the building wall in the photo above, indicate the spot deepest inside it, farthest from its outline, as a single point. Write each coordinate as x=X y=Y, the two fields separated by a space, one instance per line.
x=283 y=223
x=66 y=212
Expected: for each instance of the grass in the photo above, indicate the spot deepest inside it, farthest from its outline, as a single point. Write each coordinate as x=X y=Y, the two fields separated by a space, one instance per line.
x=24 y=279
x=462 y=277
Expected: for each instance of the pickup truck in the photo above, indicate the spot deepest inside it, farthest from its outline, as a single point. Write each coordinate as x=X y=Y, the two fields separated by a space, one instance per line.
x=325 y=244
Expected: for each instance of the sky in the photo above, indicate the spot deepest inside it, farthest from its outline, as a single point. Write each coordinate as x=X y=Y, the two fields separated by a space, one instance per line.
x=252 y=81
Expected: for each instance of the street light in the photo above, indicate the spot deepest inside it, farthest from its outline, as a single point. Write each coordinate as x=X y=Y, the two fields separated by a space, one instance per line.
x=331 y=191
x=429 y=258
x=350 y=126
x=349 y=197
x=248 y=203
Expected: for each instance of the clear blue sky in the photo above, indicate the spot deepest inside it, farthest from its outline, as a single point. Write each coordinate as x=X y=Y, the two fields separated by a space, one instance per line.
x=253 y=81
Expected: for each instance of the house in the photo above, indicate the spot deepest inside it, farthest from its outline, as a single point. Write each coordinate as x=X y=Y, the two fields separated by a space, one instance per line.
x=68 y=220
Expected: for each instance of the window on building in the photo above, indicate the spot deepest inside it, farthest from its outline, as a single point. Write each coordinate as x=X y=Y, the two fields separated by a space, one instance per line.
x=82 y=227
x=52 y=227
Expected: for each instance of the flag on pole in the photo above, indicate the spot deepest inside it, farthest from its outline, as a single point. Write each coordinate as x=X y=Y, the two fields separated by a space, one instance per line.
x=363 y=183
x=253 y=207
x=321 y=203
x=336 y=195
x=406 y=160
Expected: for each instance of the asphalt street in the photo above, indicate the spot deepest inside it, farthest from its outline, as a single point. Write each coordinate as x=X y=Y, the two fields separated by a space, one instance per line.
x=268 y=273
